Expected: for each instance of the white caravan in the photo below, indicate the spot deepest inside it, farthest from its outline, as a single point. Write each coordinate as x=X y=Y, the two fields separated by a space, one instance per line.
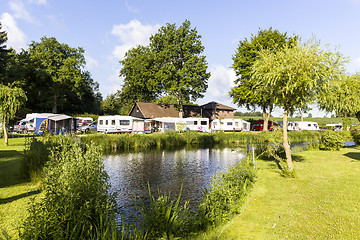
x=230 y=124
x=298 y=126
x=335 y=126
x=197 y=124
x=120 y=124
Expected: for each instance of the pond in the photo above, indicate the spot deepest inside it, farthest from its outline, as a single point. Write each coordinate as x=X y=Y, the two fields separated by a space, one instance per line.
x=166 y=171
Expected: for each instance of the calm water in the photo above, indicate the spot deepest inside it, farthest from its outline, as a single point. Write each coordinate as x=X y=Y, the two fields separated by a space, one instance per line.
x=167 y=171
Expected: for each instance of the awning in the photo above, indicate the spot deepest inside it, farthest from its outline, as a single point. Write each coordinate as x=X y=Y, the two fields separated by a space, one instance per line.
x=59 y=117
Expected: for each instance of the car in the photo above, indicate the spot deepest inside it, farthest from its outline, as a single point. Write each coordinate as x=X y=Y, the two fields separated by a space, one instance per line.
x=89 y=128
x=257 y=127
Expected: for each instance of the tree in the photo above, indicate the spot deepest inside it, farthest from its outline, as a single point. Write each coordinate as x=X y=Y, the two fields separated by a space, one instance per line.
x=3 y=54
x=60 y=69
x=342 y=96
x=294 y=76
x=247 y=53
x=11 y=98
x=172 y=65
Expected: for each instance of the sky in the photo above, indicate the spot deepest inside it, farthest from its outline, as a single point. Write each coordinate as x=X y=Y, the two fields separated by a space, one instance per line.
x=107 y=29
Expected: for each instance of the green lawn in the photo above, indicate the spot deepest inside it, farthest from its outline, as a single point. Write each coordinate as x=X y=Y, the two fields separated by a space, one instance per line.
x=15 y=191
x=323 y=202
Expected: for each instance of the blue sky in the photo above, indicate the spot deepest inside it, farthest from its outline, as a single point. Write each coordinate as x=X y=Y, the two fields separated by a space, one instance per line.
x=107 y=29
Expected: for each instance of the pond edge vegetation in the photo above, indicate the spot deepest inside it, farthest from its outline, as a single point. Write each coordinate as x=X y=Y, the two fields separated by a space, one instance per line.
x=221 y=200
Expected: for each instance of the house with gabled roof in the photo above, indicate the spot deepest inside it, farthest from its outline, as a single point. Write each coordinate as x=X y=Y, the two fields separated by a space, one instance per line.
x=211 y=110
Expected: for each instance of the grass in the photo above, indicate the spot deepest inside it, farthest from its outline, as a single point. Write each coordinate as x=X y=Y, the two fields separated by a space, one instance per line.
x=16 y=191
x=322 y=202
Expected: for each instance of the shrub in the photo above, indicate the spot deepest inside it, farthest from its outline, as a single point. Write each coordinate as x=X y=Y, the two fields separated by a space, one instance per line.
x=331 y=140
x=76 y=202
x=355 y=133
x=226 y=192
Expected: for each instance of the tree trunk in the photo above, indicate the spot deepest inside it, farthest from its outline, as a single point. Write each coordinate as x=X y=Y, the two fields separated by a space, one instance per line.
x=5 y=131
x=55 y=104
x=302 y=114
x=266 y=117
x=181 y=113
x=286 y=142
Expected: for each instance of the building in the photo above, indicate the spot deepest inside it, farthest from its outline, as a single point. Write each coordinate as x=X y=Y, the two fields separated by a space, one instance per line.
x=211 y=110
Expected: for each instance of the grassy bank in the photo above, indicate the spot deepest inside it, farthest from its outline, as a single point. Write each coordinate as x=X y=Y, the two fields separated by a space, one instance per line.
x=323 y=202
x=15 y=191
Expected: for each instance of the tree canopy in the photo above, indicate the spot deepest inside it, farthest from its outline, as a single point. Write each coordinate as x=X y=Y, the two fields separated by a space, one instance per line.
x=247 y=53
x=294 y=76
x=172 y=65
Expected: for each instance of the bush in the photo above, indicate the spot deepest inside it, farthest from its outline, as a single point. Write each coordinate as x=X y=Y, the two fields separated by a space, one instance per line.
x=331 y=140
x=76 y=203
x=225 y=195
x=355 y=133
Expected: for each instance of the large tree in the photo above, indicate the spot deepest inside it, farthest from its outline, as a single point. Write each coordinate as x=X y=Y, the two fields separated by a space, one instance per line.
x=60 y=70
x=247 y=53
x=294 y=76
x=172 y=65
x=11 y=98
x=4 y=54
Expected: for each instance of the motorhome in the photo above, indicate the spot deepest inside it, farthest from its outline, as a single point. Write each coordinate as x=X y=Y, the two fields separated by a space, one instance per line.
x=230 y=124
x=120 y=124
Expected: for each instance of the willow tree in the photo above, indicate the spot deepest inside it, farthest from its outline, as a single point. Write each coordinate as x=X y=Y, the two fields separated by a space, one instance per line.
x=247 y=53
x=11 y=98
x=294 y=76
x=342 y=96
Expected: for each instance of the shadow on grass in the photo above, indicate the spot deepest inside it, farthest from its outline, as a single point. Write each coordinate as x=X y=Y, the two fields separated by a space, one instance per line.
x=353 y=155
x=17 y=197
x=297 y=158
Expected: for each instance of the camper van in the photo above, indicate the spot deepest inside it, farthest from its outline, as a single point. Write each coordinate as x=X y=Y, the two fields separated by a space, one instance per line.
x=120 y=124
x=230 y=124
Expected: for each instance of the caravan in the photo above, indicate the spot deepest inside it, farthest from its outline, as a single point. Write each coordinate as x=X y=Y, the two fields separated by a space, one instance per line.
x=197 y=124
x=120 y=124
x=230 y=124
x=298 y=126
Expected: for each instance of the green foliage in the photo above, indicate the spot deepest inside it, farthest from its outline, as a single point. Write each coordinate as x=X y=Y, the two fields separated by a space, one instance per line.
x=59 y=69
x=226 y=194
x=163 y=217
x=331 y=140
x=247 y=53
x=172 y=65
x=355 y=133
x=76 y=202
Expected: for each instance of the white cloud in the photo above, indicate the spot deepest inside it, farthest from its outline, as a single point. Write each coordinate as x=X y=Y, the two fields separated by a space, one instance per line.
x=91 y=63
x=131 y=8
x=219 y=84
x=20 y=11
x=131 y=35
x=16 y=38
x=38 y=2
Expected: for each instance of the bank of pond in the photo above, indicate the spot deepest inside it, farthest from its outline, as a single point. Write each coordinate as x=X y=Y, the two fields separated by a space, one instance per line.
x=85 y=196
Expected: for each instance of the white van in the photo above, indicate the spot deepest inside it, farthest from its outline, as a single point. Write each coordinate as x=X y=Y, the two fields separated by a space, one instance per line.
x=230 y=124
x=120 y=124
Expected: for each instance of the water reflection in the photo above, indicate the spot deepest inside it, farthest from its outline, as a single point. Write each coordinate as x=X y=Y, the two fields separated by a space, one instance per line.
x=167 y=171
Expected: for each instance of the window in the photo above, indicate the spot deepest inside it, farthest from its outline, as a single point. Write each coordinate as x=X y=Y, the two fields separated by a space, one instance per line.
x=189 y=123
x=101 y=122
x=203 y=123
x=236 y=124
x=124 y=122
x=195 y=122
x=229 y=123
x=112 y=122
x=106 y=122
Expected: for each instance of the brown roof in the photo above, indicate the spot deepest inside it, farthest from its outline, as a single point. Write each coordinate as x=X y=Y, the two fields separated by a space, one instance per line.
x=215 y=105
x=154 y=110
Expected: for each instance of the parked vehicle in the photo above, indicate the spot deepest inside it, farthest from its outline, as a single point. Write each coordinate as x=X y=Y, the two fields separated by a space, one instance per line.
x=259 y=126
x=230 y=124
x=335 y=126
x=120 y=124
x=26 y=125
x=81 y=121
x=298 y=126
x=89 y=128
x=197 y=124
